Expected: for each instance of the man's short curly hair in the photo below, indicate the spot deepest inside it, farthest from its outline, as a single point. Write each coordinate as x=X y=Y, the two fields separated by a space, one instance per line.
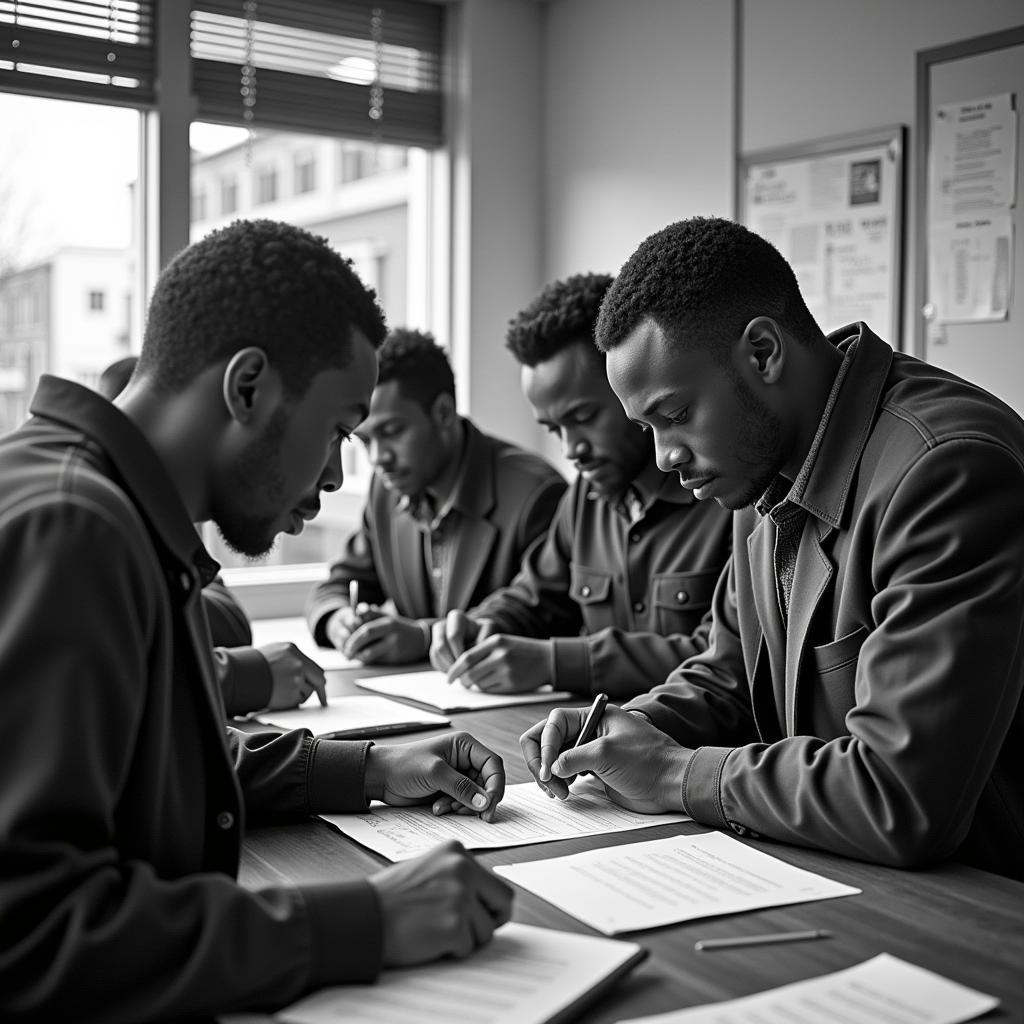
x=419 y=365
x=708 y=277
x=262 y=283
x=563 y=313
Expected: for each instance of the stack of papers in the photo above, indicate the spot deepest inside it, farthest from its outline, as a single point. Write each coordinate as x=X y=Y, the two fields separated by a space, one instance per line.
x=354 y=718
x=432 y=688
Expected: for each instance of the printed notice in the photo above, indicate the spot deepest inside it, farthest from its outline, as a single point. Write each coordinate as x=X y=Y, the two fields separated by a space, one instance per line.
x=664 y=881
x=525 y=815
x=883 y=988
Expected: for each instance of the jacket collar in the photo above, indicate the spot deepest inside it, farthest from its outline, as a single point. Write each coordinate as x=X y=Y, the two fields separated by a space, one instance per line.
x=824 y=490
x=140 y=471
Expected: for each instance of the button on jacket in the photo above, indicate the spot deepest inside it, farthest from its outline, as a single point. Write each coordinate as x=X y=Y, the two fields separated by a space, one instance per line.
x=884 y=720
x=122 y=795
x=621 y=597
x=504 y=499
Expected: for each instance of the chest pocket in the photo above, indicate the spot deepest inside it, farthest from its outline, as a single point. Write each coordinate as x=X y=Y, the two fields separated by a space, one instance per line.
x=680 y=599
x=591 y=589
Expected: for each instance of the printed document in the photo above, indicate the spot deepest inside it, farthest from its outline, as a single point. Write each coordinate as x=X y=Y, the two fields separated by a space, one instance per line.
x=525 y=815
x=883 y=988
x=353 y=717
x=526 y=975
x=664 y=881
x=432 y=687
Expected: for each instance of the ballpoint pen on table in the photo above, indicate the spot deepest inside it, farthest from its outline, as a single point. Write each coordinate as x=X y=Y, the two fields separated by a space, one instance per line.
x=353 y=593
x=592 y=721
x=759 y=940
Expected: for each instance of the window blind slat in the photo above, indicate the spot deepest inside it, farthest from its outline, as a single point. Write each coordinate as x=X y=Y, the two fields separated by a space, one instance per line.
x=78 y=49
x=315 y=62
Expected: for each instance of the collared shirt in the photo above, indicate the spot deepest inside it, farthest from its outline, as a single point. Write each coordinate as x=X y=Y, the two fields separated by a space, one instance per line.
x=621 y=586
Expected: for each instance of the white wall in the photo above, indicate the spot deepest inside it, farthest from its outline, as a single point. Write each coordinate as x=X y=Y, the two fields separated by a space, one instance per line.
x=639 y=115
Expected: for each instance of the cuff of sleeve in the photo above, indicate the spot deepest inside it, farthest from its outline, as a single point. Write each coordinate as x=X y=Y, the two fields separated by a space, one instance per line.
x=317 y=621
x=257 y=682
x=346 y=933
x=426 y=627
x=702 y=786
x=571 y=670
x=336 y=780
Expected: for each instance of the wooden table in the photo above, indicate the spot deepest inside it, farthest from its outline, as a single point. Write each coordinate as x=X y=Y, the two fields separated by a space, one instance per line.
x=964 y=924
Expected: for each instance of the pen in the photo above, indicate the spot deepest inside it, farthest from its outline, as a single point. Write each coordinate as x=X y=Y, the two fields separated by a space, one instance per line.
x=592 y=721
x=353 y=593
x=758 y=940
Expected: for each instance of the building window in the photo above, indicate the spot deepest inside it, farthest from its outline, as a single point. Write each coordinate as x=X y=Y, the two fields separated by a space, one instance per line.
x=266 y=185
x=305 y=173
x=96 y=301
x=199 y=204
x=354 y=163
x=228 y=195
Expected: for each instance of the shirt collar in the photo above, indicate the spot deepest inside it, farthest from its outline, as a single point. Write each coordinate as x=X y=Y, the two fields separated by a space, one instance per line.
x=650 y=485
x=823 y=483
x=139 y=470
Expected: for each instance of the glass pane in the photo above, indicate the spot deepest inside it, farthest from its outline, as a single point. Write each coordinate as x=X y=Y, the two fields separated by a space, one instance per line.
x=357 y=195
x=69 y=245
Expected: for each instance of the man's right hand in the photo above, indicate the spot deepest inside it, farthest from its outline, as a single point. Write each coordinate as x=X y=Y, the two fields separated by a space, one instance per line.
x=341 y=625
x=453 y=635
x=441 y=903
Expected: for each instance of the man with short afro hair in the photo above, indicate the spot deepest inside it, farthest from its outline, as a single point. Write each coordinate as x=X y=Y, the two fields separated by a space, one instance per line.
x=861 y=692
x=449 y=515
x=612 y=600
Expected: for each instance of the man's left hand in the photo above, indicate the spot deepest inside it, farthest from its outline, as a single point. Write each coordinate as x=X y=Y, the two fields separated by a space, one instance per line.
x=451 y=772
x=384 y=639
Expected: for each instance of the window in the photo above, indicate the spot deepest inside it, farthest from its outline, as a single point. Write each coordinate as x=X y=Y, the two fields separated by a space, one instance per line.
x=199 y=204
x=266 y=185
x=313 y=99
x=228 y=194
x=96 y=301
x=305 y=173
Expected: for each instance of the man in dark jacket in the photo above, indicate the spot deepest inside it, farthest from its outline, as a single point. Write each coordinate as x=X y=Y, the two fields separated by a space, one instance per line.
x=861 y=690
x=450 y=513
x=122 y=799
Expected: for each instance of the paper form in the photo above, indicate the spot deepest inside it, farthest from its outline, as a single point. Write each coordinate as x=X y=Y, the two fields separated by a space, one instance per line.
x=433 y=688
x=663 y=881
x=353 y=716
x=525 y=815
x=883 y=988
x=526 y=975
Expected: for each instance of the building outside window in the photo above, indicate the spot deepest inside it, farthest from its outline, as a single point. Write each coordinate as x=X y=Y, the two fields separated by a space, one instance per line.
x=96 y=300
x=228 y=194
x=266 y=185
x=305 y=173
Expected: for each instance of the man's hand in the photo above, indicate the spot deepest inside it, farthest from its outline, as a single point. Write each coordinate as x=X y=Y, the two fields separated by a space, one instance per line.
x=381 y=638
x=342 y=624
x=504 y=664
x=453 y=635
x=293 y=676
x=441 y=903
x=451 y=772
x=641 y=768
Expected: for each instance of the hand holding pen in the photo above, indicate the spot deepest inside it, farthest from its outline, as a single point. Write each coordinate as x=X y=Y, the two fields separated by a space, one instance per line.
x=640 y=767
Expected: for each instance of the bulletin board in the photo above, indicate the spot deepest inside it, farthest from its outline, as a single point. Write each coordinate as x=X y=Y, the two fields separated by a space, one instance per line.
x=969 y=242
x=834 y=209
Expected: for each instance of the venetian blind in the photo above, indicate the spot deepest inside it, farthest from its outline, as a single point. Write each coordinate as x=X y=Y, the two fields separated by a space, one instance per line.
x=340 y=67
x=78 y=49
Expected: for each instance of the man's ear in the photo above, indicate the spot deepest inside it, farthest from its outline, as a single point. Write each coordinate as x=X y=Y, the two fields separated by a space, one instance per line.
x=250 y=387
x=764 y=348
x=442 y=411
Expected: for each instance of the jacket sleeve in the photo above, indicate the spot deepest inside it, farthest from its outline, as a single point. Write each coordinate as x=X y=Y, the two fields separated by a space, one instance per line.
x=90 y=931
x=537 y=603
x=934 y=686
x=229 y=625
x=355 y=563
x=244 y=677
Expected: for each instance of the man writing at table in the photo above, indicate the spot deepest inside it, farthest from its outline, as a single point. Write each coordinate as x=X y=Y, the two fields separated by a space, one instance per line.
x=861 y=690
x=122 y=794
x=611 y=600
x=449 y=514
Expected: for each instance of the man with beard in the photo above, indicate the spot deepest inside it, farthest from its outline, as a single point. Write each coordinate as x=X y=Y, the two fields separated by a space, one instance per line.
x=861 y=690
x=449 y=514
x=274 y=675
x=122 y=794
x=609 y=601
